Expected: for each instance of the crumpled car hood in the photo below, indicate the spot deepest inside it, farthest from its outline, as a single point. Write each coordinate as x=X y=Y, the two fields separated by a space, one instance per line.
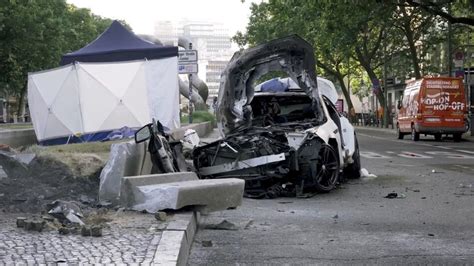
x=292 y=55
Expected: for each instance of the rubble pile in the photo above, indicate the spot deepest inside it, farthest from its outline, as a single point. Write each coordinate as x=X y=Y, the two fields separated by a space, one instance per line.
x=29 y=181
x=66 y=218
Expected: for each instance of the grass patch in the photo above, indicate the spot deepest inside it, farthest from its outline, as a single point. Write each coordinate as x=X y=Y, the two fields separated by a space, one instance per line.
x=102 y=149
x=16 y=126
x=199 y=117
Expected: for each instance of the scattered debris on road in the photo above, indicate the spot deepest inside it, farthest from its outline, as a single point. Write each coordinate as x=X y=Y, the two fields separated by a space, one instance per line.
x=394 y=195
x=66 y=212
x=206 y=243
x=364 y=173
x=160 y=216
x=224 y=225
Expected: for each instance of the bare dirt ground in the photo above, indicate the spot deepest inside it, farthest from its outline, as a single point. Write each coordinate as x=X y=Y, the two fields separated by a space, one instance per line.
x=39 y=175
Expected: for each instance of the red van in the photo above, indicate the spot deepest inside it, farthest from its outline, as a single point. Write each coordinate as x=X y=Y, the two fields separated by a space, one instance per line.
x=433 y=106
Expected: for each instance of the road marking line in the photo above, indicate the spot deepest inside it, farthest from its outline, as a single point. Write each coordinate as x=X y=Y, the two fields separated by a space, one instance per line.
x=437 y=146
x=470 y=152
x=391 y=152
x=373 y=155
x=406 y=142
x=450 y=155
x=412 y=155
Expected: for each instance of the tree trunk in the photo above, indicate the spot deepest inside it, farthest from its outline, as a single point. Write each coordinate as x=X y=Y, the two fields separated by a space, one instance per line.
x=21 y=105
x=4 y=110
x=340 y=78
x=406 y=25
x=413 y=52
x=347 y=96
x=380 y=95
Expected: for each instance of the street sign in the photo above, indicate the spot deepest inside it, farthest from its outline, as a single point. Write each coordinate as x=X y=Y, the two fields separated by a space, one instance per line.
x=390 y=81
x=190 y=56
x=459 y=55
x=458 y=58
x=190 y=68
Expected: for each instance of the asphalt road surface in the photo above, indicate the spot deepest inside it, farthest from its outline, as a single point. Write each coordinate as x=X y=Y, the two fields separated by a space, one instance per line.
x=432 y=221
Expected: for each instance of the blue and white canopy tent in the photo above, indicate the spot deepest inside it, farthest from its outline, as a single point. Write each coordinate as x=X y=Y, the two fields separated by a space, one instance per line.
x=116 y=81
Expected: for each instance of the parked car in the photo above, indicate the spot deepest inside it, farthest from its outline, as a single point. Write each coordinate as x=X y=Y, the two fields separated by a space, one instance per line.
x=283 y=140
x=433 y=106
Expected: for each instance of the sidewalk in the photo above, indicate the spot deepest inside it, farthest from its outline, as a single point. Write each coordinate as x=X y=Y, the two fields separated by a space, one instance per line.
x=128 y=238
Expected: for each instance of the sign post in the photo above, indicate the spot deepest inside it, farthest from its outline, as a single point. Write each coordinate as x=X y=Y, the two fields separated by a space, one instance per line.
x=187 y=64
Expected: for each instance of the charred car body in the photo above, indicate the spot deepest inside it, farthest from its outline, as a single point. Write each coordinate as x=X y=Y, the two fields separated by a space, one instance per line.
x=282 y=142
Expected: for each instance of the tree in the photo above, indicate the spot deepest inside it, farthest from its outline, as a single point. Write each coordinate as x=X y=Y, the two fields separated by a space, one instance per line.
x=438 y=8
x=278 y=18
x=35 y=34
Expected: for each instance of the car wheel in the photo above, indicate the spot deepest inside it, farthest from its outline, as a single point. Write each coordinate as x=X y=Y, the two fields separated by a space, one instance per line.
x=352 y=171
x=437 y=137
x=400 y=134
x=415 y=136
x=328 y=167
x=457 y=137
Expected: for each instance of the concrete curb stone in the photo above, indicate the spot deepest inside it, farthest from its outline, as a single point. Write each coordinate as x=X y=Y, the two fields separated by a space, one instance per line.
x=176 y=240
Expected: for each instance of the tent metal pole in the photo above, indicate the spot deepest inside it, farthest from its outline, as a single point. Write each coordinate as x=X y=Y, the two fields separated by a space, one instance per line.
x=190 y=79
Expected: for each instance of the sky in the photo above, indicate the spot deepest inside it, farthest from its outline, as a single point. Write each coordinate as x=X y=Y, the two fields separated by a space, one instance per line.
x=141 y=15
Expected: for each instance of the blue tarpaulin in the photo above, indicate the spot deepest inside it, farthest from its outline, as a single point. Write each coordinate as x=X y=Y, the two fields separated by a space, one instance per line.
x=274 y=85
x=118 y=44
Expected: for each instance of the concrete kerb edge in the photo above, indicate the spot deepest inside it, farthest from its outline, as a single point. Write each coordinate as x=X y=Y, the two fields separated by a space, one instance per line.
x=27 y=136
x=176 y=240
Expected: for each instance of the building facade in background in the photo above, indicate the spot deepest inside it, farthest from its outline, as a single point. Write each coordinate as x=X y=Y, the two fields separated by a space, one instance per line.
x=211 y=40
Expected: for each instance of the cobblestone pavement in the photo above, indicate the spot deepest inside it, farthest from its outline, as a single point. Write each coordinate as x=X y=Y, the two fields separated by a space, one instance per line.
x=130 y=238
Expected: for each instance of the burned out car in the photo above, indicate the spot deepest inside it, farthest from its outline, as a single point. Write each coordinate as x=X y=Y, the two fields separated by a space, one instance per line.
x=286 y=140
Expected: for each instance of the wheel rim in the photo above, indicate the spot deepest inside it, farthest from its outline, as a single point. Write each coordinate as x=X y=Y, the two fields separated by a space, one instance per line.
x=328 y=167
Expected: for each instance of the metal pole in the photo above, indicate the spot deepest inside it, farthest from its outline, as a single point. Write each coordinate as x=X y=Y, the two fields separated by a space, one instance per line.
x=385 y=114
x=190 y=79
x=470 y=53
x=450 y=52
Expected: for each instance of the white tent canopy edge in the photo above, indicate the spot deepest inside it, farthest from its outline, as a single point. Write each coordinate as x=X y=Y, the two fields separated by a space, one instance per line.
x=84 y=98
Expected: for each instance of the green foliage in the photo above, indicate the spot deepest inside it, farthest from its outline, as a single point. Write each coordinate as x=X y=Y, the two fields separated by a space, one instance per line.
x=199 y=117
x=35 y=34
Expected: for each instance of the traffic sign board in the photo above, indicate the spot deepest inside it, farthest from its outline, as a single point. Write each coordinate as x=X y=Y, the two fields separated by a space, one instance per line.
x=188 y=56
x=459 y=55
x=190 y=68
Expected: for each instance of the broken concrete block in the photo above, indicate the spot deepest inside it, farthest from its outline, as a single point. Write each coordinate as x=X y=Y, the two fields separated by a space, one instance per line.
x=96 y=230
x=20 y=222
x=34 y=225
x=3 y=174
x=160 y=216
x=85 y=231
x=130 y=183
x=63 y=231
x=25 y=158
x=206 y=195
x=126 y=159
